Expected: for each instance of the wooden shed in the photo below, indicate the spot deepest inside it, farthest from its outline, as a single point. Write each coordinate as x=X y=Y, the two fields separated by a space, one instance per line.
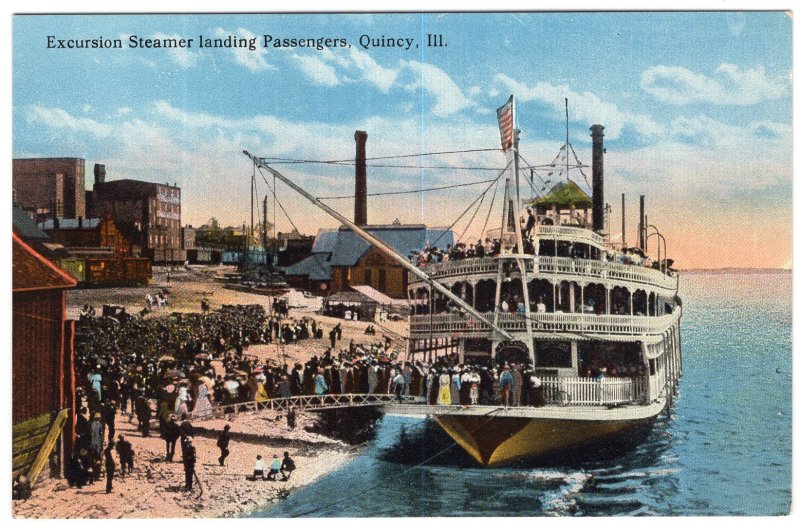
x=43 y=379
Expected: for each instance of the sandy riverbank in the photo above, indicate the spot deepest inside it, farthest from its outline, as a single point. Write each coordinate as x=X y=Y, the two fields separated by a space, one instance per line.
x=154 y=490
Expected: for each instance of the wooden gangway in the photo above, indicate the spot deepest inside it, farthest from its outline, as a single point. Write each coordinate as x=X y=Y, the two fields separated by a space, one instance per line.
x=302 y=403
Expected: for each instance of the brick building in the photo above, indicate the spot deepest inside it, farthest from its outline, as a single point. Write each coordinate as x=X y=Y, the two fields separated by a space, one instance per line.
x=88 y=233
x=50 y=187
x=149 y=214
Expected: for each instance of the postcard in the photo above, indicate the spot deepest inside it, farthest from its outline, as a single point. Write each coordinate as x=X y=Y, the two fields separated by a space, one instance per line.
x=440 y=264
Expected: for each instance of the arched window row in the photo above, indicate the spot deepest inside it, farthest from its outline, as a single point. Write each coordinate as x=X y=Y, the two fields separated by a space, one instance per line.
x=543 y=296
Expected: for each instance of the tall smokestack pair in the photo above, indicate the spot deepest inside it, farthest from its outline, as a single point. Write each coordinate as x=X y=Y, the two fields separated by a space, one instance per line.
x=360 y=213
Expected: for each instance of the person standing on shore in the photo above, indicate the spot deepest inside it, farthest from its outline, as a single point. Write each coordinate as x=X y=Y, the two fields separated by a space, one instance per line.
x=171 y=433
x=143 y=414
x=109 y=417
x=187 y=433
x=189 y=460
x=222 y=442
x=125 y=453
x=110 y=467
x=320 y=385
x=399 y=384
x=96 y=431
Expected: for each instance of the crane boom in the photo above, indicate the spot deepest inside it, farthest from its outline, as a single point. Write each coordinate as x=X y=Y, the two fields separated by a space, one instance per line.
x=376 y=242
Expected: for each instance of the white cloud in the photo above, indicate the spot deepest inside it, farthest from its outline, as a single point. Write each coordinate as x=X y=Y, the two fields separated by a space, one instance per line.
x=252 y=60
x=727 y=86
x=474 y=91
x=58 y=118
x=86 y=108
x=316 y=70
x=180 y=56
x=447 y=96
x=371 y=71
x=585 y=107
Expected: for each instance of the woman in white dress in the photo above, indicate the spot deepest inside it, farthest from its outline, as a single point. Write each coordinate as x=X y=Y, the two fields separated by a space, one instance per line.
x=182 y=401
x=202 y=406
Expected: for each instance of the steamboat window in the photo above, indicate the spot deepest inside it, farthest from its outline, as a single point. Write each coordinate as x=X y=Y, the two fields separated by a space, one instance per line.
x=553 y=354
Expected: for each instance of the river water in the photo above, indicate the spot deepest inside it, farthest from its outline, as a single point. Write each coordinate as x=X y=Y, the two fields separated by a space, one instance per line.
x=724 y=449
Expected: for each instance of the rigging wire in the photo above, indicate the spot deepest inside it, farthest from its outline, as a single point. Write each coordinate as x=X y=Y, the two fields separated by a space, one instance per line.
x=391 y=166
x=544 y=182
x=470 y=205
x=580 y=168
x=293 y=160
x=489 y=214
x=275 y=196
x=483 y=195
x=411 y=191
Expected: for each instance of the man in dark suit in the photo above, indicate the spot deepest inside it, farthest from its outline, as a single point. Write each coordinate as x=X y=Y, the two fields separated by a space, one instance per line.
x=189 y=460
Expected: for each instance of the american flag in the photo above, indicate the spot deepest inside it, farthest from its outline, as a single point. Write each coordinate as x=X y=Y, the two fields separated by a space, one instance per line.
x=505 y=118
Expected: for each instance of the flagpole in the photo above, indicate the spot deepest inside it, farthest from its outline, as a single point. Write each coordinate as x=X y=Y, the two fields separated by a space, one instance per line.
x=520 y=259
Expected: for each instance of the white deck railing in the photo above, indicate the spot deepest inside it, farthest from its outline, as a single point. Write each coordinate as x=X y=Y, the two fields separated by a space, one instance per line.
x=588 y=391
x=570 y=233
x=456 y=325
x=562 y=266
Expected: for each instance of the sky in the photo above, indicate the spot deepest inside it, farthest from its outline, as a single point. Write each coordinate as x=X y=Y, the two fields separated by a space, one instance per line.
x=696 y=107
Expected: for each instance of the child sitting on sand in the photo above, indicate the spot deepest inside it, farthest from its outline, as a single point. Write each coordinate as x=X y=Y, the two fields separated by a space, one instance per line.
x=258 y=468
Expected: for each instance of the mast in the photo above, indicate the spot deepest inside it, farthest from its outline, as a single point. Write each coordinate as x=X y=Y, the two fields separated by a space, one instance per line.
x=523 y=273
x=566 y=110
x=379 y=244
x=265 y=236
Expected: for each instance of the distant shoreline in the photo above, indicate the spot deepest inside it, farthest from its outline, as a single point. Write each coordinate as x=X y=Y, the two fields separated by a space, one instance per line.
x=752 y=271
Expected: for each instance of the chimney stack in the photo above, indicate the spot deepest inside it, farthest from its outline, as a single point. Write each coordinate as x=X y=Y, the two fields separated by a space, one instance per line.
x=623 y=221
x=99 y=174
x=360 y=216
x=642 y=225
x=597 y=178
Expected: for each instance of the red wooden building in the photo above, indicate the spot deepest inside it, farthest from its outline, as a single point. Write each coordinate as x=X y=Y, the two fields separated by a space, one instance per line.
x=43 y=379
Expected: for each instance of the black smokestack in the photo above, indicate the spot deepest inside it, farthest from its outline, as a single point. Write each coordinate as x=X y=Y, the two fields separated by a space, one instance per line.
x=623 y=220
x=360 y=216
x=642 y=225
x=597 y=177
x=99 y=174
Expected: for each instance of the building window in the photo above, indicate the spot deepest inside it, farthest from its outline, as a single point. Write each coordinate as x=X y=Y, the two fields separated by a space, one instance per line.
x=382 y=280
x=368 y=277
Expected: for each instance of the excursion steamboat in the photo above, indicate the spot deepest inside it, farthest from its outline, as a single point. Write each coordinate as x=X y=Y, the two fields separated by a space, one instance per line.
x=597 y=322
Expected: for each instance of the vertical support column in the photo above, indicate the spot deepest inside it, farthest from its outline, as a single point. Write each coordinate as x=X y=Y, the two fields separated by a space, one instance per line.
x=572 y=297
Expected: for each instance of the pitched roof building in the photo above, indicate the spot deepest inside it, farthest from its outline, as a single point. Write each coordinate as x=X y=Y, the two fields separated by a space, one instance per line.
x=341 y=259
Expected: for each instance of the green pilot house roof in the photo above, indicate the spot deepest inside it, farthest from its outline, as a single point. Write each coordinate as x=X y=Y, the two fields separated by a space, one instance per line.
x=563 y=196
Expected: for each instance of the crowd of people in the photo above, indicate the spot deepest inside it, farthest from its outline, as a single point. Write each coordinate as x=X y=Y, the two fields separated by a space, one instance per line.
x=162 y=367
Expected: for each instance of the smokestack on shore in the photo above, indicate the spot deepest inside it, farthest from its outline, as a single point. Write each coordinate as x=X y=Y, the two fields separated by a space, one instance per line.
x=99 y=174
x=360 y=214
x=597 y=178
